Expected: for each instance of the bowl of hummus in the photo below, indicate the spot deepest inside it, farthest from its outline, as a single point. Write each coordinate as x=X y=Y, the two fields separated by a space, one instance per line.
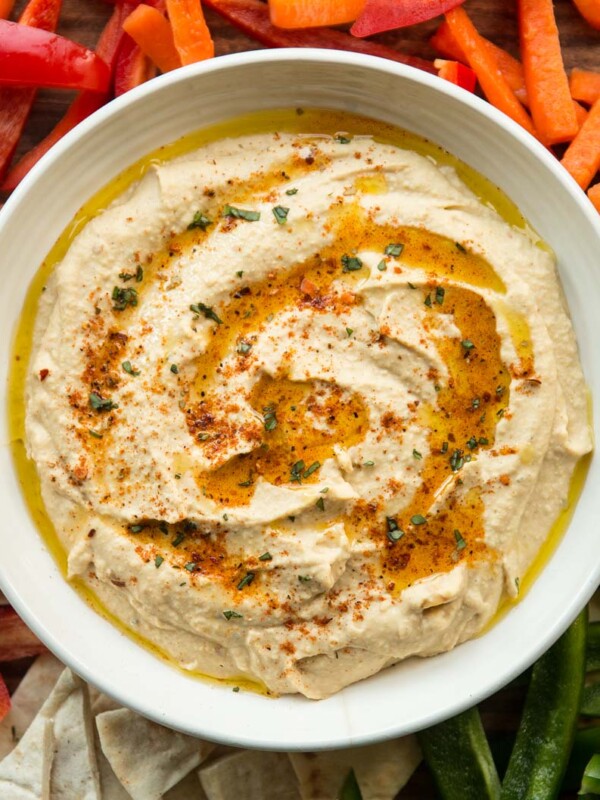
x=300 y=400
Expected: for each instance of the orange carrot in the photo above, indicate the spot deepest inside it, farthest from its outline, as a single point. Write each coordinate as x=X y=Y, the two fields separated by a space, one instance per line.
x=151 y=31
x=582 y=158
x=545 y=78
x=590 y=11
x=510 y=67
x=580 y=112
x=313 y=13
x=485 y=66
x=190 y=31
x=585 y=85
x=6 y=6
x=594 y=195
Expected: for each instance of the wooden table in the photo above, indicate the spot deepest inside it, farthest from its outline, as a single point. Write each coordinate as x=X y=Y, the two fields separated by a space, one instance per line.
x=496 y=19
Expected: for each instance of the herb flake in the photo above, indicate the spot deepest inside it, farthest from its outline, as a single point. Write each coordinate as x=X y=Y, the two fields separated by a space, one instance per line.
x=241 y=213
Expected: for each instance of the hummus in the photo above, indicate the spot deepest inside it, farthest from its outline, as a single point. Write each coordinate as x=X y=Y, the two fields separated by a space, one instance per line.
x=303 y=406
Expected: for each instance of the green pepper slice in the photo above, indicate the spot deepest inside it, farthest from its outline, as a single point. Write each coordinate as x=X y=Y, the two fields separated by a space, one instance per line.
x=459 y=758
x=545 y=737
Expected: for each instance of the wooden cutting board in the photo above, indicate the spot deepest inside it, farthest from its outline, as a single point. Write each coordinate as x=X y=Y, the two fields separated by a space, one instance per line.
x=83 y=19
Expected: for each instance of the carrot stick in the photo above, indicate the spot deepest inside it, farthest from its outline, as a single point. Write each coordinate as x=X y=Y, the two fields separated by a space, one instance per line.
x=510 y=67
x=151 y=31
x=545 y=77
x=313 y=13
x=594 y=195
x=585 y=85
x=590 y=11
x=485 y=66
x=6 y=6
x=190 y=31
x=582 y=157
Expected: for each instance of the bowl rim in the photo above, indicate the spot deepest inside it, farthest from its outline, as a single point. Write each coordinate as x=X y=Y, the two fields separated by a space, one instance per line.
x=346 y=737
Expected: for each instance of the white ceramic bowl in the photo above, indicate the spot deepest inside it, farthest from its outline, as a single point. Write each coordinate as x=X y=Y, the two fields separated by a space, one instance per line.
x=418 y=692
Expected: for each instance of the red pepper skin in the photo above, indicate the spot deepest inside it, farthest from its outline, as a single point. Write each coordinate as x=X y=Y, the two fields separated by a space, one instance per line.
x=459 y=74
x=252 y=17
x=33 y=57
x=83 y=105
x=385 y=15
x=4 y=699
x=16 y=104
x=132 y=67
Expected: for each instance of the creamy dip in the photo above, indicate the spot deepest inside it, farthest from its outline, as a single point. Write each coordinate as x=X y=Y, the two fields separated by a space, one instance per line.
x=303 y=406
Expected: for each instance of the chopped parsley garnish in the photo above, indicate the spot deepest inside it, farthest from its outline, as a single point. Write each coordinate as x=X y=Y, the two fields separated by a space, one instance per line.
x=209 y=313
x=136 y=528
x=281 y=214
x=351 y=263
x=266 y=557
x=444 y=448
x=394 y=533
x=456 y=460
x=418 y=519
x=139 y=274
x=269 y=418
x=244 y=348
x=178 y=539
x=129 y=369
x=467 y=344
x=472 y=443
x=241 y=213
x=475 y=402
x=382 y=266
x=483 y=441
x=427 y=301
x=499 y=390
x=174 y=369
x=290 y=192
x=320 y=504
x=304 y=578
x=100 y=403
x=343 y=139
x=313 y=468
x=232 y=615
x=440 y=293
x=158 y=561
x=417 y=455
x=200 y=221
x=460 y=542
x=296 y=471
x=460 y=247
x=369 y=464
x=240 y=273
x=95 y=434
x=411 y=285
x=349 y=331
x=246 y=580
x=191 y=566
x=249 y=482
x=394 y=250
x=122 y=297
x=500 y=412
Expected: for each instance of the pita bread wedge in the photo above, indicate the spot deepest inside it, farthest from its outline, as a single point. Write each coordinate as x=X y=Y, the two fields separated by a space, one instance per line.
x=111 y=786
x=147 y=758
x=74 y=771
x=250 y=774
x=25 y=772
x=187 y=789
x=381 y=769
x=28 y=699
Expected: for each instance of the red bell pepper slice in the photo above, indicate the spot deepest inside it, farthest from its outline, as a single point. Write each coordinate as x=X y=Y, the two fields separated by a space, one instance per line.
x=83 y=105
x=133 y=67
x=33 y=57
x=252 y=17
x=15 y=104
x=457 y=73
x=385 y=15
x=4 y=699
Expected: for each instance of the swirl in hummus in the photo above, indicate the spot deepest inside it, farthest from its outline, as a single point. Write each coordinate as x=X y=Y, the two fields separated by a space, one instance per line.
x=304 y=406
